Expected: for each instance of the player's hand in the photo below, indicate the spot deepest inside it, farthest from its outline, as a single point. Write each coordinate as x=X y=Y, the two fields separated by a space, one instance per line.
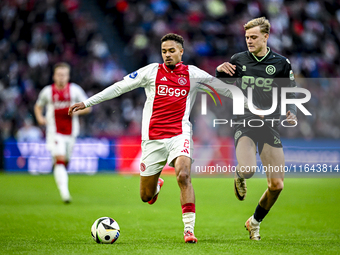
x=291 y=118
x=76 y=107
x=260 y=115
x=227 y=68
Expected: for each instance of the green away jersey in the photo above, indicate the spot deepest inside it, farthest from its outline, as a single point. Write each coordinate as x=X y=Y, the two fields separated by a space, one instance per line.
x=262 y=75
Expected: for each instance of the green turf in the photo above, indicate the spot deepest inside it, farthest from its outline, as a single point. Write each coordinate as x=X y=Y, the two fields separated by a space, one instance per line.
x=33 y=220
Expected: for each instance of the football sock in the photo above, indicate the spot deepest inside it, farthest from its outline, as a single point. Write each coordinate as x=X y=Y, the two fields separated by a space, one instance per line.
x=259 y=214
x=61 y=179
x=254 y=222
x=157 y=190
x=188 y=216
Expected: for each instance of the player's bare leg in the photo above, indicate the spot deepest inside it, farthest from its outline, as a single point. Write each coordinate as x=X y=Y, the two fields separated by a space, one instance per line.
x=246 y=158
x=271 y=157
x=149 y=187
x=61 y=177
x=274 y=157
x=183 y=169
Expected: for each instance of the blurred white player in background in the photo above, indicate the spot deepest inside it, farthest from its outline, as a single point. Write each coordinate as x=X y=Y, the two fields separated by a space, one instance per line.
x=61 y=129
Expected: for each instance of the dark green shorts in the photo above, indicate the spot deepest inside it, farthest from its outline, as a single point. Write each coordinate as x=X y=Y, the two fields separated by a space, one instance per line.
x=260 y=135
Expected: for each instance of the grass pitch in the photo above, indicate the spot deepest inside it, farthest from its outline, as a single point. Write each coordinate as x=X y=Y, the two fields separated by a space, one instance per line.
x=33 y=220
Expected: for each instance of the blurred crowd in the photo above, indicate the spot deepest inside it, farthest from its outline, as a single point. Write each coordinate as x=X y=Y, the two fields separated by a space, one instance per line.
x=35 y=34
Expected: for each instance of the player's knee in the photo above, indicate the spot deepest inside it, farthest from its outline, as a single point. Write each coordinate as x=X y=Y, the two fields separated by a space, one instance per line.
x=146 y=197
x=60 y=160
x=183 y=178
x=246 y=171
x=276 y=186
x=248 y=175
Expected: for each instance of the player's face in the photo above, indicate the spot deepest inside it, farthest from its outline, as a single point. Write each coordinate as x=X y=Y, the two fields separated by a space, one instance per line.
x=61 y=76
x=171 y=53
x=256 y=41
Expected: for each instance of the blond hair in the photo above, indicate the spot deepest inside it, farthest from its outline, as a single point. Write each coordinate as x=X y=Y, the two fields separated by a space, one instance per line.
x=61 y=64
x=262 y=22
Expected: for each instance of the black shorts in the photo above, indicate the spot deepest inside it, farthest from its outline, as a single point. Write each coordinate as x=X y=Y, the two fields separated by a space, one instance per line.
x=260 y=135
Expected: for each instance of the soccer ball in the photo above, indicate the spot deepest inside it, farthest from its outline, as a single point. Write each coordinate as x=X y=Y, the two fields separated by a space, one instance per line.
x=105 y=230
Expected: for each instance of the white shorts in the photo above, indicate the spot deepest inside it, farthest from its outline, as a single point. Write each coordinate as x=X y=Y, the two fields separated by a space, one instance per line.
x=156 y=153
x=60 y=145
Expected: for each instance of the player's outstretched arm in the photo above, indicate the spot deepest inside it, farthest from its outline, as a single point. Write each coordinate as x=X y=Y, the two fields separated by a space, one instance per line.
x=76 y=107
x=39 y=115
x=227 y=67
x=87 y=110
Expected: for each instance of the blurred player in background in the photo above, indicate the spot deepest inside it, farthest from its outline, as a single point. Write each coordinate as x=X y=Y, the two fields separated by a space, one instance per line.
x=171 y=89
x=261 y=69
x=61 y=129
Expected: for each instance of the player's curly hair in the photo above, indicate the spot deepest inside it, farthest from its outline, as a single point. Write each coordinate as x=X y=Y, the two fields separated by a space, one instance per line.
x=173 y=37
x=262 y=22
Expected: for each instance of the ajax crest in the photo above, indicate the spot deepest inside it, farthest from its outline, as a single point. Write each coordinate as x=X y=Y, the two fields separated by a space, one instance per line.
x=182 y=81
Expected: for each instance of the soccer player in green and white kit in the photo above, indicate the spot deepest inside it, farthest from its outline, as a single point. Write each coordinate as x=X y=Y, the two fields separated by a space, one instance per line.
x=261 y=69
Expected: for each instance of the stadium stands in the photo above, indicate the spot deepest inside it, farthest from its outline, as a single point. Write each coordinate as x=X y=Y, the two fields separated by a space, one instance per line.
x=36 y=34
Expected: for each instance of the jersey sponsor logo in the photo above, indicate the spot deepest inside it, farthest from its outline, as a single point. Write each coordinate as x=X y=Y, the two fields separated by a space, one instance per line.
x=238 y=134
x=244 y=68
x=182 y=81
x=142 y=167
x=164 y=79
x=61 y=105
x=133 y=75
x=270 y=69
x=164 y=90
x=250 y=81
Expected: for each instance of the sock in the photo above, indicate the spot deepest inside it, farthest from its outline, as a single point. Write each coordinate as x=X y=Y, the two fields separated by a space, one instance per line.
x=188 y=217
x=254 y=222
x=61 y=179
x=259 y=214
x=157 y=190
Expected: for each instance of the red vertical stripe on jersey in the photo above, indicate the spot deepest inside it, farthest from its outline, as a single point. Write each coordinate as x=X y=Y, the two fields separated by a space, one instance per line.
x=172 y=89
x=61 y=102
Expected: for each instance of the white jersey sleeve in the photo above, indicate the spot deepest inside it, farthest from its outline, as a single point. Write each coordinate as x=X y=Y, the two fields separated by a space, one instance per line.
x=130 y=82
x=77 y=93
x=44 y=96
x=205 y=80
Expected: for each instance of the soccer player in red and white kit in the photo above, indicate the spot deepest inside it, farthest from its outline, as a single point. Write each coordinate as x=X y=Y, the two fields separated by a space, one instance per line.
x=171 y=90
x=61 y=129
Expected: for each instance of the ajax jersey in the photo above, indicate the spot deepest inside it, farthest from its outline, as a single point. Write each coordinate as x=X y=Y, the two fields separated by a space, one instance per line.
x=57 y=103
x=170 y=95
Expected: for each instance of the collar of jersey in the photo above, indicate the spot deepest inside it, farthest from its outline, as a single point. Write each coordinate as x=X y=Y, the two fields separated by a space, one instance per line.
x=56 y=88
x=177 y=67
x=259 y=60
